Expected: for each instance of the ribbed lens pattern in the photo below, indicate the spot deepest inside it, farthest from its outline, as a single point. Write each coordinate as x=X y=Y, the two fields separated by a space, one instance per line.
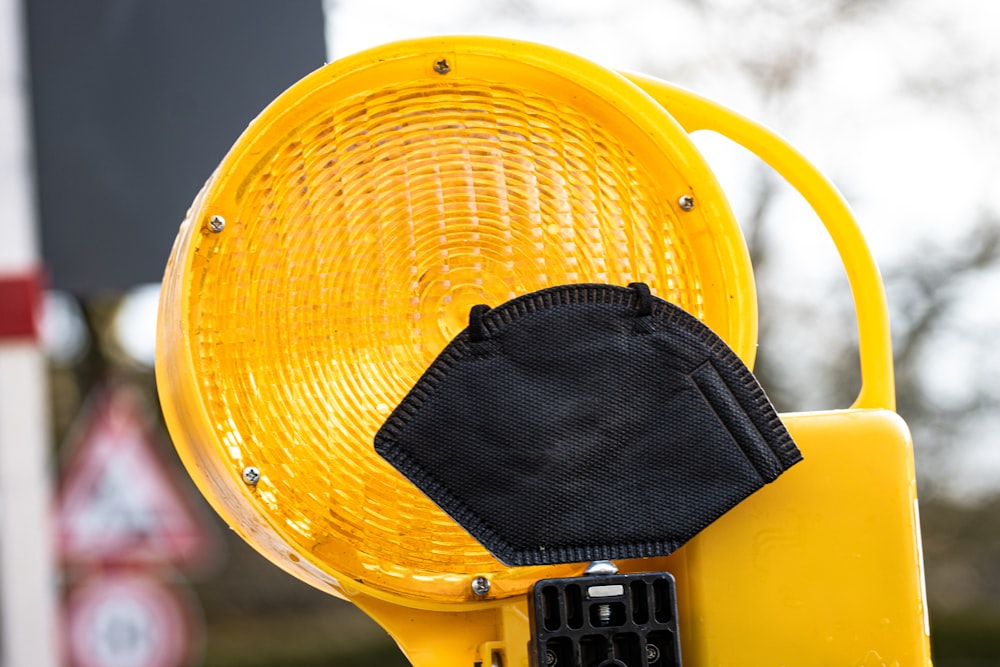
x=360 y=243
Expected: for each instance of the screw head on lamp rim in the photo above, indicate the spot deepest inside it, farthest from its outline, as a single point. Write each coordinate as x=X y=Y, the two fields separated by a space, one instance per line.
x=365 y=211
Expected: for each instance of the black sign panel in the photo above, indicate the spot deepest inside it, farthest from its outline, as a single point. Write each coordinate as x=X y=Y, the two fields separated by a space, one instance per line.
x=135 y=103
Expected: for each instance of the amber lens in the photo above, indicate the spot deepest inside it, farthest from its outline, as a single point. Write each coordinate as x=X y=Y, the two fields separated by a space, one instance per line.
x=362 y=221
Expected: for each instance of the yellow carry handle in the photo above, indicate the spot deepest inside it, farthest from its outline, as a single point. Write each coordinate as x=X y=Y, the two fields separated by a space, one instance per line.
x=695 y=112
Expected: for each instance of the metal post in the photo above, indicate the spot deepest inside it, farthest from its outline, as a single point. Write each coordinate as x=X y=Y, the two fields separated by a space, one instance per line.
x=28 y=634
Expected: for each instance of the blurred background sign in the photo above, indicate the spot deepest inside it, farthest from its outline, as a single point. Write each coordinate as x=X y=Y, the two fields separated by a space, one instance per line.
x=125 y=522
x=120 y=503
x=135 y=103
x=130 y=620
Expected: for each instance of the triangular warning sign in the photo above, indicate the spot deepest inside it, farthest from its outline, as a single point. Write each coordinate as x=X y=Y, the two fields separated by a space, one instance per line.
x=119 y=502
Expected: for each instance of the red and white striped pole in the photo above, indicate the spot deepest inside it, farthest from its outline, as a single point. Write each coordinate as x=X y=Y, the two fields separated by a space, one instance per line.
x=28 y=630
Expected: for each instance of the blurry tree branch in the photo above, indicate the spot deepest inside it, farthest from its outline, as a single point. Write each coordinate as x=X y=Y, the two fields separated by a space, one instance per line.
x=932 y=283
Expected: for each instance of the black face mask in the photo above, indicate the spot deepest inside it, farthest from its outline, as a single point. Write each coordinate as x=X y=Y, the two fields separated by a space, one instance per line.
x=586 y=422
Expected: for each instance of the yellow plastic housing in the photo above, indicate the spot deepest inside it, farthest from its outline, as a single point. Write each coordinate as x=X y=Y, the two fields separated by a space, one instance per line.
x=340 y=245
x=368 y=208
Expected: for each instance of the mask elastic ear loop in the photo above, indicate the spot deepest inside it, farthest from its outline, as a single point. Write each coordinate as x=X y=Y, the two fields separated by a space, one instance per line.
x=477 y=332
x=645 y=299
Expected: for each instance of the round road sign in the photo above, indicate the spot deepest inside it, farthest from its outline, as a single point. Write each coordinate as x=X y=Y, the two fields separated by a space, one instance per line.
x=128 y=620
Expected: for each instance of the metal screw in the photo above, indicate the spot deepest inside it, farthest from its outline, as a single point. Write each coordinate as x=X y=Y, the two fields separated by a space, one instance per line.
x=601 y=568
x=442 y=66
x=686 y=202
x=604 y=614
x=551 y=659
x=480 y=586
x=217 y=223
x=652 y=653
x=251 y=475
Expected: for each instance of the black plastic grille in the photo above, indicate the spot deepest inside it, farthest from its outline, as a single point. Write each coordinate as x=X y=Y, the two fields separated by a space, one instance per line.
x=627 y=620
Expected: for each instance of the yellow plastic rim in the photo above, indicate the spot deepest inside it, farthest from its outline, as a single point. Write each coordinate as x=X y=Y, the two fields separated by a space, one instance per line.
x=339 y=246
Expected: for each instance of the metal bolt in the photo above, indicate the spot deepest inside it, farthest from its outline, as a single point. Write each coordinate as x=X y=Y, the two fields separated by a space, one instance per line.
x=551 y=659
x=480 y=586
x=652 y=653
x=601 y=568
x=604 y=614
x=442 y=66
x=251 y=475
x=217 y=223
x=686 y=202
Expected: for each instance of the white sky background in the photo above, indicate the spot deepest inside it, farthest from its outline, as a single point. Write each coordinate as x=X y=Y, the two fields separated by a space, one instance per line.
x=916 y=170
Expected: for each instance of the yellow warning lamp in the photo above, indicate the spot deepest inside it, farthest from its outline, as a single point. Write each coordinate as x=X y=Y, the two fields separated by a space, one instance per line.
x=340 y=245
